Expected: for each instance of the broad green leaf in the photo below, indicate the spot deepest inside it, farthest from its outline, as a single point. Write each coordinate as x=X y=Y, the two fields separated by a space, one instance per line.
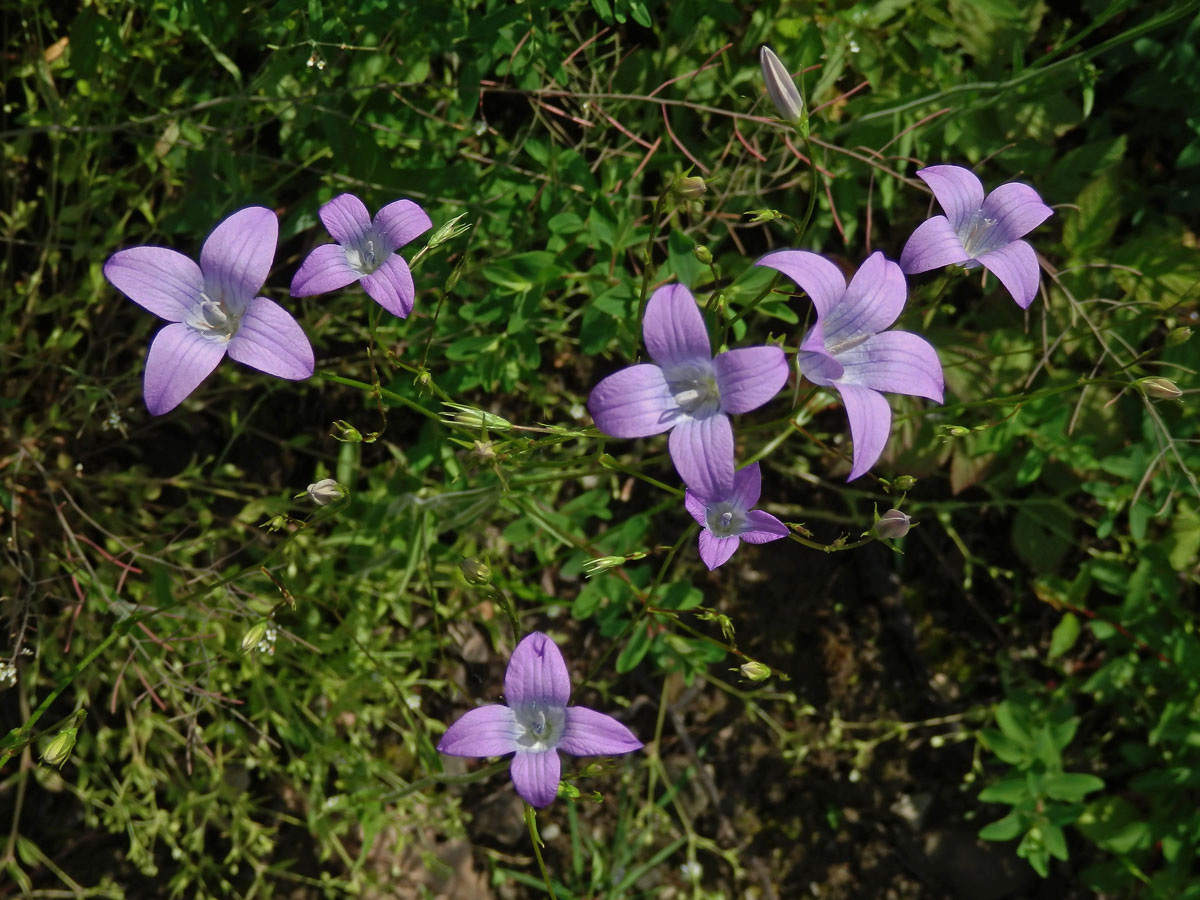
x=1071 y=786
x=1003 y=829
x=1066 y=632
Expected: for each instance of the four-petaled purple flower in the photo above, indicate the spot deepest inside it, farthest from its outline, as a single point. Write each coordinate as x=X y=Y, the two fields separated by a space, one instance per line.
x=730 y=518
x=979 y=232
x=687 y=391
x=848 y=349
x=365 y=251
x=536 y=723
x=212 y=308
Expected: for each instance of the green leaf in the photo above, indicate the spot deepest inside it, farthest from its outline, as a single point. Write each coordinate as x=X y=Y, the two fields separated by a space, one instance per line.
x=1003 y=829
x=1066 y=632
x=1010 y=790
x=639 y=644
x=1115 y=825
x=1092 y=227
x=1008 y=718
x=1007 y=750
x=1071 y=786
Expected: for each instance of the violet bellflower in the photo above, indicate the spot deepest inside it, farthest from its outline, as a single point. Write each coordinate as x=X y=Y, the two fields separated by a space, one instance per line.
x=687 y=391
x=365 y=252
x=212 y=308
x=536 y=723
x=729 y=519
x=848 y=349
x=979 y=231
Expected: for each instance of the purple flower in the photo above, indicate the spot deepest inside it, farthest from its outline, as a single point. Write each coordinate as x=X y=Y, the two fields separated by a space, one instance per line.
x=730 y=518
x=979 y=232
x=212 y=308
x=536 y=723
x=365 y=251
x=687 y=391
x=848 y=349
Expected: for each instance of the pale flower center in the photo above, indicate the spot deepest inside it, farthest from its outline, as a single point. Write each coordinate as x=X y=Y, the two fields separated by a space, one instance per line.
x=216 y=318
x=542 y=726
x=363 y=255
x=694 y=388
x=725 y=519
x=979 y=235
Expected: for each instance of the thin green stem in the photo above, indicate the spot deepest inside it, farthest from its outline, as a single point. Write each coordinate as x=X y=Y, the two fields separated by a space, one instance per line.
x=531 y=821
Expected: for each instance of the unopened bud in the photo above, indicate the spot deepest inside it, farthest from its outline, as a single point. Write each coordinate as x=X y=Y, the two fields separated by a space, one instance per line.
x=1160 y=388
x=58 y=749
x=347 y=432
x=470 y=417
x=254 y=635
x=759 y=216
x=600 y=564
x=689 y=187
x=325 y=492
x=703 y=254
x=780 y=87
x=892 y=524
x=476 y=571
x=1177 y=336
x=904 y=483
x=448 y=231
x=755 y=671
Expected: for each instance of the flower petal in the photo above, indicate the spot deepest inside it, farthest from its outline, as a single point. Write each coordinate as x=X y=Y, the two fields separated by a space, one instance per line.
x=345 y=218
x=484 y=731
x=749 y=377
x=634 y=402
x=747 y=486
x=535 y=776
x=674 y=329
x=715 y=551
x=762 y=527
x=391 y=286
x=870 y=423
x=1016 y=266
x=162 y=281
x=697 y=507
x=592 y=733
x=400 y=222
x=958 y=190
x=933 y=245
x=179 y=359
x=817 y=276
x=1017 y=209
x=873 y=301
x=271 y=341
x=536 y=673
x=325 y=269
x=895 y=361
x=702 y=451
x=237 y=256
x=815 y=364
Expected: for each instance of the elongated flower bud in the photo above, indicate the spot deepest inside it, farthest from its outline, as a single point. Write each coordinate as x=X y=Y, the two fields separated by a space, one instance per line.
x=780 y=86
x=325 y=492
x=1160 y=388
x=476 y=571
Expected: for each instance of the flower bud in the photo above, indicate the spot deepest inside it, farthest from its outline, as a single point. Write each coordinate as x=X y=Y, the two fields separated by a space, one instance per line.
x=904 y=483
x=780 y=87
x=325 y=492
x=448 y=231
x=58 y=749
x=600 y=564
x=1160 y=388
x=755 y=671
x=892 y=524
x=254 y=635
x=476 y=571
x=1177 y=336
x=689 y=187
x=703 y=254
x=470 y=417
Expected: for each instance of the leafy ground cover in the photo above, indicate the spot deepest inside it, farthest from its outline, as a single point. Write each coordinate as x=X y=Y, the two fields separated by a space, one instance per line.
x=214 y=686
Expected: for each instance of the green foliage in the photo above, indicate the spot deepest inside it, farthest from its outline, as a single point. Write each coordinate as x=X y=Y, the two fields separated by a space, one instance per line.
x=253 y=687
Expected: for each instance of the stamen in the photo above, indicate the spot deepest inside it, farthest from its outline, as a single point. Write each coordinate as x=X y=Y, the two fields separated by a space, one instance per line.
x=726 y=519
